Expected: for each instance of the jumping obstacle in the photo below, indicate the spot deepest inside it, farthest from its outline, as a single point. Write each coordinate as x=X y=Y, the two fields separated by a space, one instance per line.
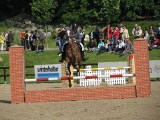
x=141 y=88
x=93 y=76
x=119 y=72
x=79 y=77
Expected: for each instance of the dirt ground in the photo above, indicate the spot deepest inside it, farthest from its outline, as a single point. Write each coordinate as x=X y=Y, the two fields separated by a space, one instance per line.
x=113 y=109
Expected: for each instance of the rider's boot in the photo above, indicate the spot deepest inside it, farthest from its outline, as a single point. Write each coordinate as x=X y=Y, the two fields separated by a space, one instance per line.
x=62 y=57
x=83 y=56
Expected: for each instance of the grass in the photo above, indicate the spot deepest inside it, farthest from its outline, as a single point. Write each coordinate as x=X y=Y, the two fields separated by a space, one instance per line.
x=51 y=57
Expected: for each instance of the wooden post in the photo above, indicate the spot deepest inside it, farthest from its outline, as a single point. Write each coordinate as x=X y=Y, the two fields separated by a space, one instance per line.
x=131 y=63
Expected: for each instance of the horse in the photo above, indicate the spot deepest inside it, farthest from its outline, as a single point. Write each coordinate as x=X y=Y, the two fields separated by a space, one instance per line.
x=73 y=57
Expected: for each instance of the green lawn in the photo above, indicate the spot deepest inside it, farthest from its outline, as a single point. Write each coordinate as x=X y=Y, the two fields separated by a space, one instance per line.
x=51 y=57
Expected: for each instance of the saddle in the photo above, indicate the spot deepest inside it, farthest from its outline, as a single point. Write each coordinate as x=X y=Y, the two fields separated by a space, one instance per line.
x=78 y=44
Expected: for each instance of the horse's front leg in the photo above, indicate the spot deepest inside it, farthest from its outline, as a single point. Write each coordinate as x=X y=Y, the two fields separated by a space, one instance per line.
x=66 y=69
x=68 y=72
x=67 y=65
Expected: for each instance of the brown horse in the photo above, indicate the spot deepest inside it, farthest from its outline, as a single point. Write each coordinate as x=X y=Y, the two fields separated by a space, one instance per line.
x=73 y=57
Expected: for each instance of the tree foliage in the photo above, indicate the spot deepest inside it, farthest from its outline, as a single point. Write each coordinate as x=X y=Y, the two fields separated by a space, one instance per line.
x=81 y=11
x=43 y=10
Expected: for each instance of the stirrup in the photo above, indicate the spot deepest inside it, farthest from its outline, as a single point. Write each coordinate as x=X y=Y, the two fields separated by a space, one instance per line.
x=84 y=59
x=61 y=61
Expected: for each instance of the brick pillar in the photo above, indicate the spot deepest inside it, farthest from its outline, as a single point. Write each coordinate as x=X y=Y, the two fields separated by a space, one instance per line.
x=141 y=54
x=17 y=73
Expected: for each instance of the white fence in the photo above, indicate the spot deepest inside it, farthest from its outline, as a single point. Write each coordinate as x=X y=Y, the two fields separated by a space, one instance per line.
x=89 y=71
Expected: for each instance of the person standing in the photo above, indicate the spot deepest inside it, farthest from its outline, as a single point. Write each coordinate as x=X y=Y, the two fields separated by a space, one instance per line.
x=97 y=35
x=158 y=32
x=2 y=40
x=10 y=40
x=125 y=33
x=31 y=45
x=134 y=30
x=121 y=30
x=26 y=40
x=116 y=36
x=152 y=37
x=22 y=37
x=108 y=32
x=138 y=33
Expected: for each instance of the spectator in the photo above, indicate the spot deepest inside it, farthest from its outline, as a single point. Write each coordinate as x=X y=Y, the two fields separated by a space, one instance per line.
x=40 y=48
x=101 y=35
x=41 y=37
x=91 y=46
x=134 y=30
x=116 y=36
x=10 y=40
x=91 y=35
x=108 y=32
x=82 y=35
x=158 y=31
x=150 y=29
x=120 y=47
x=22 y=37
x=155 y=43
x=6 y=37
x=125 y=33
x=140 y=32
x=31 y=41
x=109 y=46
x=121 y=30
x=26 y=40
x=97 y=35
x=100 y=46
x=2 y=40
x=128 y=47
x=146 y=35
x=35 y=37
x=101 y=43
x=151 y=37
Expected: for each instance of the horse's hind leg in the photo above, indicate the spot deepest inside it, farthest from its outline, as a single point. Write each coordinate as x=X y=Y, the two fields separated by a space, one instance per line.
x=78 y=73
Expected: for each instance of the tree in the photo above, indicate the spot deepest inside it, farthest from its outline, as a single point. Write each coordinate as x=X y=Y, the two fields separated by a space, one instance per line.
x=43 y=12
x=78 y=11
x=109 y=10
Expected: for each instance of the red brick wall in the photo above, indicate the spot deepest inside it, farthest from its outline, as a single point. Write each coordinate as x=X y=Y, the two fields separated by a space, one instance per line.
x=143 y=86
x=16 y=64
x=19 y=93
x=68 y=94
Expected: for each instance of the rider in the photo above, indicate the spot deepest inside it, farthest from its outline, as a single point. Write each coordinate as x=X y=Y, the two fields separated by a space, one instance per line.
x=77 y=36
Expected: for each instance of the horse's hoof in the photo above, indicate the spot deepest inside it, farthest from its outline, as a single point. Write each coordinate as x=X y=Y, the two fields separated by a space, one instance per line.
x=70 y=85
x=77 y=81
x=67 y=72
